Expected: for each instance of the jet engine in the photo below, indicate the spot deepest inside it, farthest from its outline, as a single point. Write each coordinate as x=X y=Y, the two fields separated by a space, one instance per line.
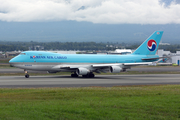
x=82 y=71
x=115 y=69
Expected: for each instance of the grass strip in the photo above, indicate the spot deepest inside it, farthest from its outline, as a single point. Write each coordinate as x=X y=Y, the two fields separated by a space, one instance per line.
x=6 y=66
x=102 y=103
x=4 y=60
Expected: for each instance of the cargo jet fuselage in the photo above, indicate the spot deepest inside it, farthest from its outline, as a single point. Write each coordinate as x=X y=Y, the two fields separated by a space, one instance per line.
x=84 y=64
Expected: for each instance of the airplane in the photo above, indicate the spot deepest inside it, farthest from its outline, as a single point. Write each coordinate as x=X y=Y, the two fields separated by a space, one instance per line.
x=85 y=64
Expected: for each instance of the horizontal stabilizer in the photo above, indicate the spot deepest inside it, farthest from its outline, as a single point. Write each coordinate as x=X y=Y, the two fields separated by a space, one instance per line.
x=155 y=58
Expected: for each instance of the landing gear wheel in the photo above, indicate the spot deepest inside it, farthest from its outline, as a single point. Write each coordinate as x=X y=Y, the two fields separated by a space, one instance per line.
x=74 y=75
x=88 y=76
x=27 y=76
x=84 y=76
x=91 y=75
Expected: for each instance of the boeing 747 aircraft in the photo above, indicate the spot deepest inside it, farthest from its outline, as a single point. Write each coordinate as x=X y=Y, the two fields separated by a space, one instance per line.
x=85 y=65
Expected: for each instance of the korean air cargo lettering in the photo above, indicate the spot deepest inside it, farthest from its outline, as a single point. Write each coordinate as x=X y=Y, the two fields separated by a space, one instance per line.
x=86 y=65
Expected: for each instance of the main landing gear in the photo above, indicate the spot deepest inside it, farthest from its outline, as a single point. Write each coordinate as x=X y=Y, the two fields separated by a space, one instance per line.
x=91 y=75
x=74 y=75
x=26 y=74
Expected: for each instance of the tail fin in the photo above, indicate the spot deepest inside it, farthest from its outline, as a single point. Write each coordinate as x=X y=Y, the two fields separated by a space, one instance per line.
x=150 y=45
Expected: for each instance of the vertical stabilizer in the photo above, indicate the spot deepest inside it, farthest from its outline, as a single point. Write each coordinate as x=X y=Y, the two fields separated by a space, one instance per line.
x=150 y=45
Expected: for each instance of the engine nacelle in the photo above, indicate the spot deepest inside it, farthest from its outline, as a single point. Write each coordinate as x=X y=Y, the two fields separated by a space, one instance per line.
x=115 y=69
x=82 y=71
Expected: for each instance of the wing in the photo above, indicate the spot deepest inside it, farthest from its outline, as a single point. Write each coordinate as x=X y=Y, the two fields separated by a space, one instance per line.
x=121 y=64
x=99 y=67
x=154 y=58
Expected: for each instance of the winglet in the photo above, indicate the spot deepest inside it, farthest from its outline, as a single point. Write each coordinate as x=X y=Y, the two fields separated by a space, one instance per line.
x=150 y=45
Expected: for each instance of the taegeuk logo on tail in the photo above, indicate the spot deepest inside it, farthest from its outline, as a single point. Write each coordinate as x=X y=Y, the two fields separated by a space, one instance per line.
x=151 y=45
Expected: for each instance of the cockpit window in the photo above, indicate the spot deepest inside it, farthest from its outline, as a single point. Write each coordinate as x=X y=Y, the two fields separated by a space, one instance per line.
x=22 y=53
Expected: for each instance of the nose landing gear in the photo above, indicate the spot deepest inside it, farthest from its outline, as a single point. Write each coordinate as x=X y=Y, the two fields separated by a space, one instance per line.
x=26 y=74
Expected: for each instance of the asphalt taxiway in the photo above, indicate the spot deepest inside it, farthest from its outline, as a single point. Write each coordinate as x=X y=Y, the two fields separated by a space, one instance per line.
x=138 y=68
x=99 y=80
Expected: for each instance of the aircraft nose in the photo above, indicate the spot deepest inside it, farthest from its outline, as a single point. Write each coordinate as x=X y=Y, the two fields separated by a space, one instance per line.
x=12 y=61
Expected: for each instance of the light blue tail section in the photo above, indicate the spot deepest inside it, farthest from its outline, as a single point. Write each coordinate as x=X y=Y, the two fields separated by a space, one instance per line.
x=150 y=45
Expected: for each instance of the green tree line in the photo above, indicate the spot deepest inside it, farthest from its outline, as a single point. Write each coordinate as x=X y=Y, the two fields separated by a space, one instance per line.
x=23 y=46
x=12 y=46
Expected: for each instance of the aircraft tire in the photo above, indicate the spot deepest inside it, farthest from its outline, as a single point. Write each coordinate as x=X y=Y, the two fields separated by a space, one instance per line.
x=26 y=76
x=88 y=76
x=91 y=75
x=74 y=75
x=84 y=76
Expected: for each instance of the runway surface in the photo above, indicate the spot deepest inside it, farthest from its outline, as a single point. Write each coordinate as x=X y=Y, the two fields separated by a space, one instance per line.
x=99 y=80
x=139 y=68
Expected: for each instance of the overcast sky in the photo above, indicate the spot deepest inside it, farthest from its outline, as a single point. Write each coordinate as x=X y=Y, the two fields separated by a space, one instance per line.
x=95 y=11
x=88 y=20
